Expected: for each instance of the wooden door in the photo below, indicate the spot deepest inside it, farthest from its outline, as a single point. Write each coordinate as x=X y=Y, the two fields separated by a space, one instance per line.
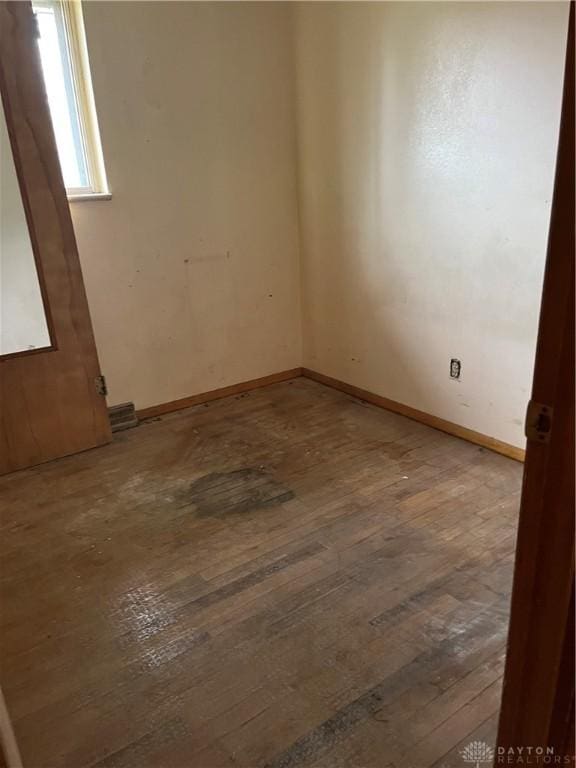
x=538 y=696
x=49 y=400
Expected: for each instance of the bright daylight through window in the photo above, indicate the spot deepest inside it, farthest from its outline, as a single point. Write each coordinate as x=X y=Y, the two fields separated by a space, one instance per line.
x=64 y=58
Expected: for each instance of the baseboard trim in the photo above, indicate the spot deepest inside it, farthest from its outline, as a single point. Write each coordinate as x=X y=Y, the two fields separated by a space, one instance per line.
x=511 y=451
x=491 y=443
x=217 y=394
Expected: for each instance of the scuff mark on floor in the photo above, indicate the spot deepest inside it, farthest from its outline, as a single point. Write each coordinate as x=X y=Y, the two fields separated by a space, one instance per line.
x=229 y=493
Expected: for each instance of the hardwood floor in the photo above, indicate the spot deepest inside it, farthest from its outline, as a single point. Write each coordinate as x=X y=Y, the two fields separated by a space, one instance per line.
x=289 y=577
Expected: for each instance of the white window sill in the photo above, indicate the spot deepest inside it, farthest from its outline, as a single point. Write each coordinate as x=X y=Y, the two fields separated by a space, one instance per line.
x=83 y=198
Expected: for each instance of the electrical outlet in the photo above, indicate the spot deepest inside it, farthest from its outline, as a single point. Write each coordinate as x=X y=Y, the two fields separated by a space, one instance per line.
x=455 y=368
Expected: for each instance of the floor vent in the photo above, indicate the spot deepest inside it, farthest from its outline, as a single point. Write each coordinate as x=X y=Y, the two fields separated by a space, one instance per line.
x=122 y=416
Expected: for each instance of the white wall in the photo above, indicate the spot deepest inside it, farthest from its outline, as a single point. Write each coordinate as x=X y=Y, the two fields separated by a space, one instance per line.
x=423 y=137
x=22 y=320
x=427 y=135
x=192 y=269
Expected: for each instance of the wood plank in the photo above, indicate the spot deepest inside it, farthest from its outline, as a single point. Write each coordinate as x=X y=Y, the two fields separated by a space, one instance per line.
x=256 y=581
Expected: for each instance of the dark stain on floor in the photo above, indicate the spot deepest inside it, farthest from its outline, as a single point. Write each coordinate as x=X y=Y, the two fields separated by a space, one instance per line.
x=230 y=493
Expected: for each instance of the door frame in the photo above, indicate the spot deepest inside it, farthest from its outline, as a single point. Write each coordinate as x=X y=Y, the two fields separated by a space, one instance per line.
x=538 y=694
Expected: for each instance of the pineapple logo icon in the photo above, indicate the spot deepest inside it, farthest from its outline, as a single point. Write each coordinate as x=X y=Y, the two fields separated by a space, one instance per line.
x=477 y=752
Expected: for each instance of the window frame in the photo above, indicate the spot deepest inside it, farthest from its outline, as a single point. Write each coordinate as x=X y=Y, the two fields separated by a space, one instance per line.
x=83 y=94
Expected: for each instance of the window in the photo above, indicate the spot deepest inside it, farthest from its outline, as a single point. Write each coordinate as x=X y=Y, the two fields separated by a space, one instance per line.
x=64 y=58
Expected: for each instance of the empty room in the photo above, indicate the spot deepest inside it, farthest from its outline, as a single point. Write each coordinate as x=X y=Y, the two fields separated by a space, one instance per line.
x=286 y=384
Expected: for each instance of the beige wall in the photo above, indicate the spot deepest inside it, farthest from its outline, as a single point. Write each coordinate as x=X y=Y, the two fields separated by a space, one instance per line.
x=426 y=141
x=191 y=269
x=427 y=138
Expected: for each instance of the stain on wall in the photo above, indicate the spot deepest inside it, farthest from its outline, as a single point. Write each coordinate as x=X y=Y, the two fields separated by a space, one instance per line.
x=192 y=269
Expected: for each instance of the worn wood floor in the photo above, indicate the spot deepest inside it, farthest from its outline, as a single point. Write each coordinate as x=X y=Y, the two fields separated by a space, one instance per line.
x=280 y=579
